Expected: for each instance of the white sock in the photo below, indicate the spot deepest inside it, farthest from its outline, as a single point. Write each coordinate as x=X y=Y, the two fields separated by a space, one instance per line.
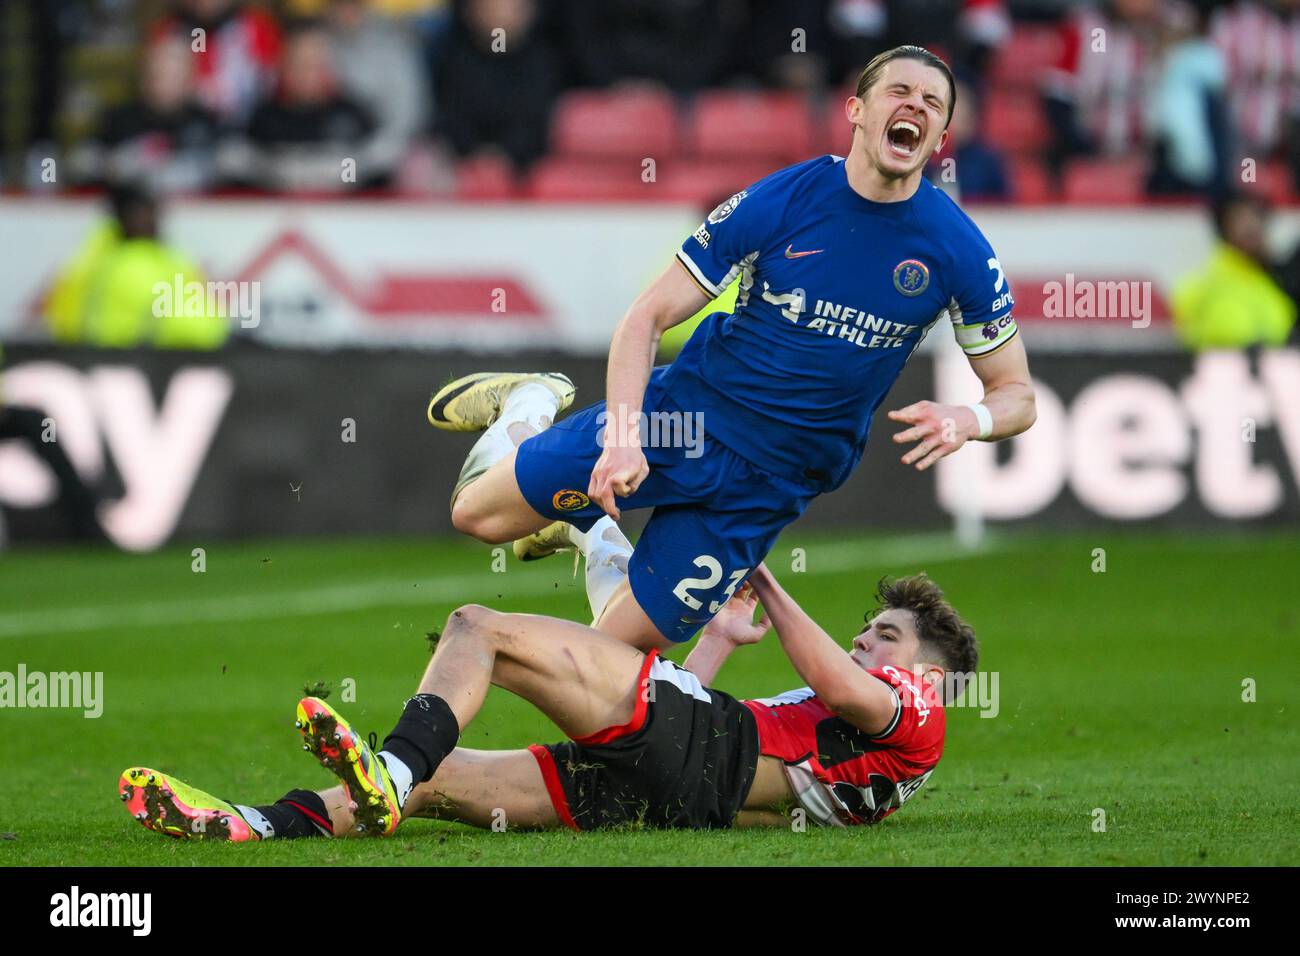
x=400 y=774
x=607 y=551
x=253 y=817
x=533 y=405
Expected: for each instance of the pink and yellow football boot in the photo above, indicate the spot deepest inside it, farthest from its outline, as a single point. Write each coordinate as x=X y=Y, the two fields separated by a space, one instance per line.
x=325 y=733
x=165 y=805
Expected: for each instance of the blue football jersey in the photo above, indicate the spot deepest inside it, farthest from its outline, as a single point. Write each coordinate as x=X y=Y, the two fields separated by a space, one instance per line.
x=836 y=292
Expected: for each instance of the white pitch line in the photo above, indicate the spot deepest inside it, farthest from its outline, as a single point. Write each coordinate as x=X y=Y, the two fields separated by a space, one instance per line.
x=823 y=559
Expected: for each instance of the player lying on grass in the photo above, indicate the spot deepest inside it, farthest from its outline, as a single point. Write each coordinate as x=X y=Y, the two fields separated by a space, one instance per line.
x=844 y=265
x=649 y=741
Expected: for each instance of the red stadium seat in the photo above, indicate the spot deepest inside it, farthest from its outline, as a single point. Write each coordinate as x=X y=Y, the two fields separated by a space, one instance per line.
x=599 y=124
x=1014 y=121
x=1021 y=62
x=1030 y=181
x=1274 y=182
x=705 y=183
x=558 y=178
x=768 y=126
x=1104 y=181
x=488 y=177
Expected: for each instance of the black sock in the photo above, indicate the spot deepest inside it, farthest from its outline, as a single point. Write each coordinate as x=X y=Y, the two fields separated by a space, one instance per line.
x=425 y=733
x=299 y=813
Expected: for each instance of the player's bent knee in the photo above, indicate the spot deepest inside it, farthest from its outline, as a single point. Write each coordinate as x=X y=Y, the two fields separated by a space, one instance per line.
x=468 y=517
x=465 y=518
x=467 y=617
x=483 y=623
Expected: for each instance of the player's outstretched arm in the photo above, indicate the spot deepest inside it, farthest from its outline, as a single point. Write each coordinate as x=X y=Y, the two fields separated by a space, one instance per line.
x=730 y=628
x=670 y=300
x=940 y=430
x=849 y=691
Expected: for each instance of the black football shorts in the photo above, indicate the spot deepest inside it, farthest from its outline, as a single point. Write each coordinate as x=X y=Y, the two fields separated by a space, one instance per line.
x=685 y=760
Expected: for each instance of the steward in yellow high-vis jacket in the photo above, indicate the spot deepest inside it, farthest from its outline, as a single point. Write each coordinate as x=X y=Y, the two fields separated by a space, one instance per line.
x=1233 y=302
x=110 y=295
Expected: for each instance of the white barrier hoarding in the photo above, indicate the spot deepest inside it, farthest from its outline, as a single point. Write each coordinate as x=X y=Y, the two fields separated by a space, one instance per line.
x=497 y=278
x=500 y=277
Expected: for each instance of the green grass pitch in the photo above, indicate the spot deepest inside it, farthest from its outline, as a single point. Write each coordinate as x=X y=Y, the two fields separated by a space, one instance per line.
x=1120 y=692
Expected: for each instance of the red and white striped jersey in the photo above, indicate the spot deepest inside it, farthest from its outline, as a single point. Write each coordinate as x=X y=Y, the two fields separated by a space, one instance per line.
x=1262 y=49
x=841 y=775
x=1105 y=70
x=235 y=63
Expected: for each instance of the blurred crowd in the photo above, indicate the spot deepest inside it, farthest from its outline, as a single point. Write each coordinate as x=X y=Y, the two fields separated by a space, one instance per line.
x=1169 y=96
x=1111 y=101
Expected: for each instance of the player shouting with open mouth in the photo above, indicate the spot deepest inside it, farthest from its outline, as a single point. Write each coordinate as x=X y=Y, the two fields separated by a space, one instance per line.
x=844 y=266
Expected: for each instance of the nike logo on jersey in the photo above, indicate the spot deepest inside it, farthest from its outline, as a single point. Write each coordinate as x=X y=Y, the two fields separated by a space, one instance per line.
x=791 y=254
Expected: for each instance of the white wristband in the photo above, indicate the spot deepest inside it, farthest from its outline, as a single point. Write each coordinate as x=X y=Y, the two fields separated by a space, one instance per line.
x=985 y=419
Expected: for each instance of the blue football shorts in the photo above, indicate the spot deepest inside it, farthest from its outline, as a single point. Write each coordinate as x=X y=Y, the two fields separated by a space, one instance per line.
x=715 y=518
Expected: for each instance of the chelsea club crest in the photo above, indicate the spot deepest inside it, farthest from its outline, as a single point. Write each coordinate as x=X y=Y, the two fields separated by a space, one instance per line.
x=911 y=277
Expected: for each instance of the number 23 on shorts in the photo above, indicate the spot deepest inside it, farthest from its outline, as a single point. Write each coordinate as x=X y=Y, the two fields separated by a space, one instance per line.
x=713 y=575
